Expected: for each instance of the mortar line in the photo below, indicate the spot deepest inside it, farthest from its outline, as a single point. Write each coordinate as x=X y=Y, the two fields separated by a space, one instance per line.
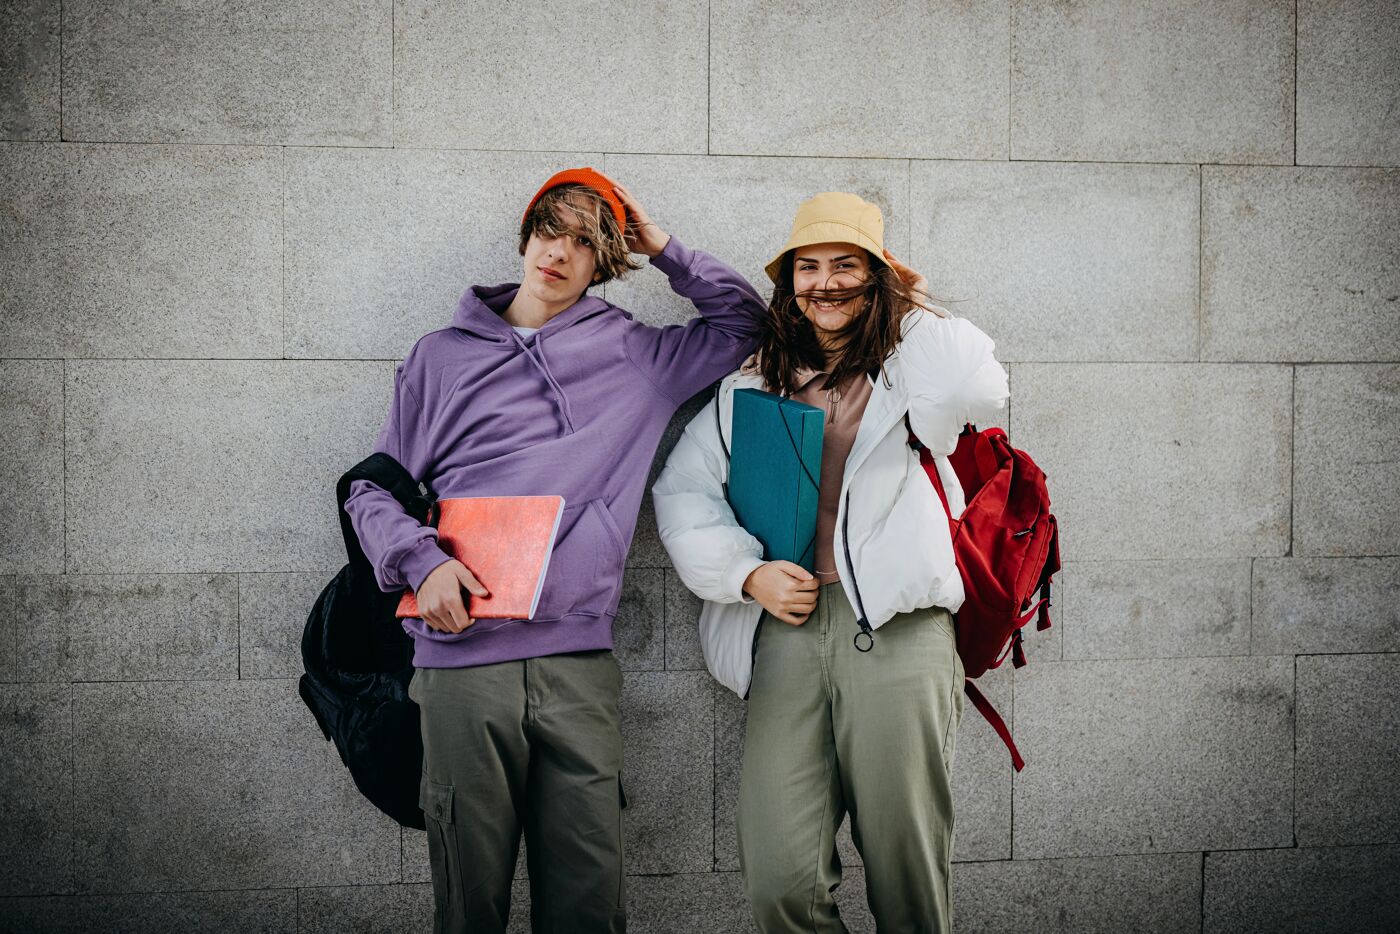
x=1202 y=916
x=72 y=786
x=1010 y=59
x=60 y=71
x=1292 y=451
x=1200 y=260
x=1251 y=604
x=283 y=227
x=393 y=73
x=709 y=76
x=1295 y=82
x=1293 y=766
x=238 y=619
x=63 y=432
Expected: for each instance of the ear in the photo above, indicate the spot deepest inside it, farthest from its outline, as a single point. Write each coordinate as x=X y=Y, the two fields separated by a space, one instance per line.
x=597 y=277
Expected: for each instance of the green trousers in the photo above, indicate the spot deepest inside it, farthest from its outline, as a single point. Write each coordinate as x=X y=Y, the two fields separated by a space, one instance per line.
x=833 y=731
x=531 y=745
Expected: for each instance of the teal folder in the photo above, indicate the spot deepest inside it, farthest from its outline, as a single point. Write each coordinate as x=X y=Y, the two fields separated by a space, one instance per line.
x=775 y=471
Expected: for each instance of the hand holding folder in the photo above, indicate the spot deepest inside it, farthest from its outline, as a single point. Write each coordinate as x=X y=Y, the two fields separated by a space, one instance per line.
x=506 y=543
x=775 y=473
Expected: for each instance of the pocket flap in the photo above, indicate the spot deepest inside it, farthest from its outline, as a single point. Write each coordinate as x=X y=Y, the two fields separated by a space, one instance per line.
x=435 y=800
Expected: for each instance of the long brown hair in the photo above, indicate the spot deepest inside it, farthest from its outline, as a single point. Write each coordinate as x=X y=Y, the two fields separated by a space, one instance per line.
x=790 y=341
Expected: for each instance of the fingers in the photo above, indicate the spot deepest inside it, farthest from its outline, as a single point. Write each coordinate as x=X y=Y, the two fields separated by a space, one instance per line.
x=630 y=203
x=469 y=581
x=795 y=571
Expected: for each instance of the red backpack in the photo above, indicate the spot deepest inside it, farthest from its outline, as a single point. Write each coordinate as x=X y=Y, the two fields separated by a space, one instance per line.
x=1007 y=546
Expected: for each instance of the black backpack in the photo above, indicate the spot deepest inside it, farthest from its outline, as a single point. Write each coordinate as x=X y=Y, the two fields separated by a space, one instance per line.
x=359 y=661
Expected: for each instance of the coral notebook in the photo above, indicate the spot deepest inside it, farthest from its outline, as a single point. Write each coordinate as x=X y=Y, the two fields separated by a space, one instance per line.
x=505 y=541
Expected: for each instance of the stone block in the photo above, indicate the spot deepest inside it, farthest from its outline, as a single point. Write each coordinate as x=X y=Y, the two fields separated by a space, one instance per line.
x=1062 y=261
x=1347 y=462
x=1155 y=609
x=32 y=254
x=898 y=79
x=1160 y=893
x=29 y=51
x=741 y=210
x=982 y=774
x=272 y=612
x=1326 y=605
x=278 y=72
x=1178 y=81
x=126 y=627
x=1147 y=461
x=731 y=714
x=362 y=909
x=227 y=465
x=621 y=78
x=31 y=466
x=382 y=243
x=271 y=911
x=1154 y=756
x=1348 y=83
x=683 y=651
x=190 y=785
x=1348 y=749
x=1323 y=891
x=702 y=903
x=36 y=795
x=146 y=251
x=1300 y=264
x=668 y=771
x=639 y=632
x=8 y=651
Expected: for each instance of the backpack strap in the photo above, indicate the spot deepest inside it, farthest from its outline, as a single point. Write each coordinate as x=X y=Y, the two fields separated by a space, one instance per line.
x=985 y=708
x=391 y=476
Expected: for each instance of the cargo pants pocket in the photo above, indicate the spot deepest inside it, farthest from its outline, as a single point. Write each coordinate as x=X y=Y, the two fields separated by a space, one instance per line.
x=436 y=801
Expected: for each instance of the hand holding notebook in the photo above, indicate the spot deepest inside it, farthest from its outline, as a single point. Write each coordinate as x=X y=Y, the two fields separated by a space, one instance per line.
x=506 y=543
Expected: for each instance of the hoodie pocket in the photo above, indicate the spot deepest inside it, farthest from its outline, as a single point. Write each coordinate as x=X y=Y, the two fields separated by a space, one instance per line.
x=585 y=570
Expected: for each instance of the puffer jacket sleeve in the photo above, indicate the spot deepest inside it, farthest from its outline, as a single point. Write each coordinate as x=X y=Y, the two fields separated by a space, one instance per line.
x=713 y=554
x=953 y=379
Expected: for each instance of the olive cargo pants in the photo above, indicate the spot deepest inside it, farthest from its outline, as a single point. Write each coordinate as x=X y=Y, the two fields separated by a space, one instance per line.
x=531 y=745
x=832 y=731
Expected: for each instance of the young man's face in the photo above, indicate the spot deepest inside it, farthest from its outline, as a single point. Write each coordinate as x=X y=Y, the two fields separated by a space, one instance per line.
x=558 y=269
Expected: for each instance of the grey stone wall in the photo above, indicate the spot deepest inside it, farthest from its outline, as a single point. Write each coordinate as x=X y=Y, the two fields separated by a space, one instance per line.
x=222 y=224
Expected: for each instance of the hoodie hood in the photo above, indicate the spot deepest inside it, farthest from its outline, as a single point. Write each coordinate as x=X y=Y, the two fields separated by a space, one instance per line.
x=481 y=306
x=479 y=313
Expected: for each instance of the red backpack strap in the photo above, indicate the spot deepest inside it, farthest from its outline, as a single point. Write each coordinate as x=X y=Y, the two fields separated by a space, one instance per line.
x=984 y=707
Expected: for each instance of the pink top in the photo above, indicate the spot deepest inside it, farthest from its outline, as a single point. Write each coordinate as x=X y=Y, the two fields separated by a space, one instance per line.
x=844 y=407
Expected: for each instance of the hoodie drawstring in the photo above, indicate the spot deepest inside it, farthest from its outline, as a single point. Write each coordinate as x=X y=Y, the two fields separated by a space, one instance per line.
x=542 y=364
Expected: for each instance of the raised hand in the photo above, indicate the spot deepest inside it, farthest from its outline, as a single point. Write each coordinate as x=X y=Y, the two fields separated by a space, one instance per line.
x=909 y=277
x=642 y=234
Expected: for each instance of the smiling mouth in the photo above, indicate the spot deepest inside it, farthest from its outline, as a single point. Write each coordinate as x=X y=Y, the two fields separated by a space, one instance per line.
x=829 y=306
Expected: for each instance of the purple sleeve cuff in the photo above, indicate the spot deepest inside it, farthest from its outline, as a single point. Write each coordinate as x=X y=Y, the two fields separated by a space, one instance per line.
x=424 y=558
x=674 y=259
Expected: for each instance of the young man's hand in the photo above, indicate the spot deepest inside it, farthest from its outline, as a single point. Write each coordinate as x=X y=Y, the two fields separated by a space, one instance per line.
x=784 y=589
x=643 y=236
x=440 y=597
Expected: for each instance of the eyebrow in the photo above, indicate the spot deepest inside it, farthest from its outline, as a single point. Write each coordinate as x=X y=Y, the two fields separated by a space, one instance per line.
x=835 y=259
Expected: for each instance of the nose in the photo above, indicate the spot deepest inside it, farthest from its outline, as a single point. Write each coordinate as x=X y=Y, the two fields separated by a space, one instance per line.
x=560 y=247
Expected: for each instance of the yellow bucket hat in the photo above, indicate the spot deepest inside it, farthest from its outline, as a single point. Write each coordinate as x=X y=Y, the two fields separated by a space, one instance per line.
x=834 y=217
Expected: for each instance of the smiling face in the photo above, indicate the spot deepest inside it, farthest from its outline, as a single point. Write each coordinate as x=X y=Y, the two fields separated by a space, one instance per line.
x=830 y=267
x=559 y=263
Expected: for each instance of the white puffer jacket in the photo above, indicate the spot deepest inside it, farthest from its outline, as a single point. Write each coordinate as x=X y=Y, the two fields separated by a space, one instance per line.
x=943 y=375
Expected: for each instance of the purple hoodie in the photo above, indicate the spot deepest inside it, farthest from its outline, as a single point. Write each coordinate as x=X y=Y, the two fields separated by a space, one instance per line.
x=576 y=409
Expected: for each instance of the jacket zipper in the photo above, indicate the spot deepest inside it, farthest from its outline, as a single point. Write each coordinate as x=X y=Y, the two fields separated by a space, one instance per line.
x=868 y=643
